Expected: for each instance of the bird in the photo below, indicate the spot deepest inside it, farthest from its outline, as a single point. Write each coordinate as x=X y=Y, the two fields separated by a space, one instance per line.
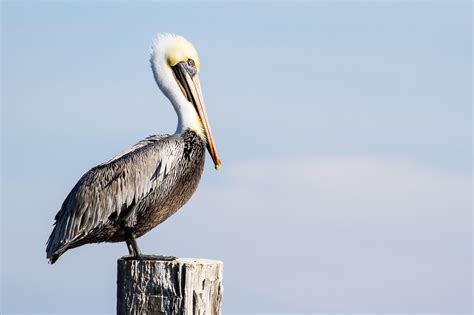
x=127 y=196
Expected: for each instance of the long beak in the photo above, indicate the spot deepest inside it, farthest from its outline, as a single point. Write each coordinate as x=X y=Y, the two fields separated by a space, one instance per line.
x=192 y=89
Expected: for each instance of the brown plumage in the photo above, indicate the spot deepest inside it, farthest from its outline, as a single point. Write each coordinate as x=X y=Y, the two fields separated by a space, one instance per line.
x=130 y=194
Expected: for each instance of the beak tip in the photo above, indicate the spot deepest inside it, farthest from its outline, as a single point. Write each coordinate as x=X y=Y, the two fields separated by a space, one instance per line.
x=217 y=165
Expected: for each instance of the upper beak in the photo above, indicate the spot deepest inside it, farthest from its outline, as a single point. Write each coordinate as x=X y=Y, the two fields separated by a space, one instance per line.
x=192 y=89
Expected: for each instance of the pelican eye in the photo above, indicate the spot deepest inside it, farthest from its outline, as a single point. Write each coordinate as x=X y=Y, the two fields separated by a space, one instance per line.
x=190 y=67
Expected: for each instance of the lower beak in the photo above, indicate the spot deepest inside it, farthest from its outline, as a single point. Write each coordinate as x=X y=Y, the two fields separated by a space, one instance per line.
x=193 y=88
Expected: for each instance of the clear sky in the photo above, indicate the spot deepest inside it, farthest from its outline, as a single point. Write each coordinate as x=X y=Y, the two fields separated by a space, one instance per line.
x=344 y=130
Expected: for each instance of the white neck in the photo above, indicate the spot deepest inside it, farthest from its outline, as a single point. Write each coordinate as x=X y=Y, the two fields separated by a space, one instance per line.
x=164 y=77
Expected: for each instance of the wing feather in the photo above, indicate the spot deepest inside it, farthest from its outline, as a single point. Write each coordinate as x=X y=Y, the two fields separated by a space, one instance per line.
x=107 y=190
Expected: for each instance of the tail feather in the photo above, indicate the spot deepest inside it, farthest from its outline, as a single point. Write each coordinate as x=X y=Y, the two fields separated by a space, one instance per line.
x=54 y=248
x=52 y=256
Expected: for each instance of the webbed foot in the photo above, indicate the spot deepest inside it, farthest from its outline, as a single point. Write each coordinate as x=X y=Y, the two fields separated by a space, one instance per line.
x=149 y=257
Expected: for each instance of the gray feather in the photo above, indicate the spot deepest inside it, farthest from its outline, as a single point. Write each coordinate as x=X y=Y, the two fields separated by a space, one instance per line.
x=131 y=193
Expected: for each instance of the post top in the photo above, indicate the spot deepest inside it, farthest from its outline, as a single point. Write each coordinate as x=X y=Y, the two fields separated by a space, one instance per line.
x=170 y=260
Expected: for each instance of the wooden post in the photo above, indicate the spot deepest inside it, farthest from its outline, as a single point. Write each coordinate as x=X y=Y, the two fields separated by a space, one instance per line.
x=180 y=286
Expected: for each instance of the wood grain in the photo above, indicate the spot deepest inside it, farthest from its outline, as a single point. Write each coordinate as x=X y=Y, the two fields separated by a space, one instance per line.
x=181 y=286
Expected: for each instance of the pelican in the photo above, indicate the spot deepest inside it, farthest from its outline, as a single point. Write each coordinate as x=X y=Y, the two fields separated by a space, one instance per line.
x=127 y=196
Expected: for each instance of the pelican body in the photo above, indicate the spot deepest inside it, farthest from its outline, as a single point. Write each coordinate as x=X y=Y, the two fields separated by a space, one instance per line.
x=127 y=196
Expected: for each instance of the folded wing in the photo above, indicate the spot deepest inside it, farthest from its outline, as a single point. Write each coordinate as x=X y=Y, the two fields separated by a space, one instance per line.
x=105 y=192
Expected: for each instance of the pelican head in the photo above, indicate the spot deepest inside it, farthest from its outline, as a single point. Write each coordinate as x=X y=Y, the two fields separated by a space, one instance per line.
x=175 y=64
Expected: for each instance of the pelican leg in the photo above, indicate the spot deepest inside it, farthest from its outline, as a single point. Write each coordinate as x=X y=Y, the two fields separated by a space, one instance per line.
x=130 y=248
x=136 y=254
x=133 y=248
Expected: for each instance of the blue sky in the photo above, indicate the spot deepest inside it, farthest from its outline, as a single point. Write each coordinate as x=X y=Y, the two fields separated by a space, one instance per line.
x=345 y=131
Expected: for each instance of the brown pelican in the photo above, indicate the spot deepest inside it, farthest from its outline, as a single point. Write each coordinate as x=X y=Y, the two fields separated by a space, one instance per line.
x=127 y=196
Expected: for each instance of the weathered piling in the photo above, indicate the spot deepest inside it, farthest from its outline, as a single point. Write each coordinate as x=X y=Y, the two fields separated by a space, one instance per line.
x=180 y=286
